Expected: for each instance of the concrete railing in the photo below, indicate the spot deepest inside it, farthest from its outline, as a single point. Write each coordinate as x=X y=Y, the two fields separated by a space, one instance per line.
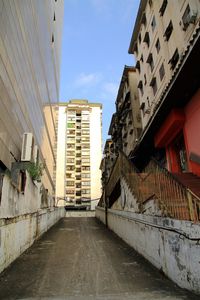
x=170 y=245
x=18 y=233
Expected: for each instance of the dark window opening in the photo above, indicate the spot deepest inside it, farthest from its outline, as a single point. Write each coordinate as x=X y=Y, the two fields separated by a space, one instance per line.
x=146 y=39
x=144 y=19
x=162 y=72
x=153 y=23
x=139 y=38
x=138 y=66
x=153 y=84
x=150 y=3
x=158 y=46
x=168 y=31
x=173 y=61
x=54 y=17
x=140 y=86
x=145 y=79
x=52 y=38
x=150 y=61
x=163 y=7
x=22 y=181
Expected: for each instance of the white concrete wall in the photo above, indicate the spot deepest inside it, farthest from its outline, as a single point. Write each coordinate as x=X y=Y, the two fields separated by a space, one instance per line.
x=19 y=233
x=21 y=218
x=170 y=245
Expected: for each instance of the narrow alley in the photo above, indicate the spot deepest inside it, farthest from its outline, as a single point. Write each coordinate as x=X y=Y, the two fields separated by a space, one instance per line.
x=79 y=258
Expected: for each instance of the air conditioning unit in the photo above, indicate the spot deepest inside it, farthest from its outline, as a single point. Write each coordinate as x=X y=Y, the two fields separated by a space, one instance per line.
x=36 y=154
x=27 y=147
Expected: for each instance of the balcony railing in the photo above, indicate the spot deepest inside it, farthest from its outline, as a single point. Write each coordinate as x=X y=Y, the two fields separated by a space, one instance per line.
x=154 y=182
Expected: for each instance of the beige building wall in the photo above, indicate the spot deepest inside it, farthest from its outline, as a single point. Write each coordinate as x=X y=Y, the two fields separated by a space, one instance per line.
x=161 y=34
x=95 y=153
x=30 y=43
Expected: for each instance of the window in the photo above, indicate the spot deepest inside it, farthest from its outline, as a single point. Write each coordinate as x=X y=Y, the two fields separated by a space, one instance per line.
x=70 y=168
x=54 y=16
x=85 y=160
x=70 y=183
x=142 y=107
x=153 y=23
x=150 y=61
x=153 y=84
x=163 y=7
x=140 y=86
x=70 y=160
x=158 y=46
x=146 y=39
x=144 y=19
x=139 y=38
x=141 y=58
x=188 y=17
x=138 y=66
x=52 y=38
x=86 y=175
x=86 y=168
x=84 y=191
x=69 y=191
x=162 y=72
x=85 y=146
x=150 y=3
x=145 y=79
x=173 y=61
x=168 y=31
x=85 y=183
x=70 y=125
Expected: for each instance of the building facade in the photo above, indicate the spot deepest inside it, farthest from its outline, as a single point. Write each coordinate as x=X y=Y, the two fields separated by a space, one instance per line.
x=79 y=144
x=165 y=42
x=125 y=127
x=162 y=32
x=30 y=48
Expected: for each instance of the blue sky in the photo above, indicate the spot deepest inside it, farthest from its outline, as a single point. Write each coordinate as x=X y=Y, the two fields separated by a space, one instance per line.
x=96 y=37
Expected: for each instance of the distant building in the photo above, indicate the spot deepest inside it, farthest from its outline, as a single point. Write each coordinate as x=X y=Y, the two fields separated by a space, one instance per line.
x=78 y=150
x=125 y=127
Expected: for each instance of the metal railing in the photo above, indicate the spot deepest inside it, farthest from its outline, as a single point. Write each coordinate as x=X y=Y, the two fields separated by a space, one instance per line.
x=154 y=182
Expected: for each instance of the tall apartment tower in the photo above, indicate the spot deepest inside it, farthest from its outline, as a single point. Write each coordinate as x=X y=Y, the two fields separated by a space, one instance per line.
x=78 y=152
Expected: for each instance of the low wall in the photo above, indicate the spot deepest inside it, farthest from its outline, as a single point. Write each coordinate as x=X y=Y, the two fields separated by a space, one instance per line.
x=80 y=214
x=170 y=245
x=19 y=233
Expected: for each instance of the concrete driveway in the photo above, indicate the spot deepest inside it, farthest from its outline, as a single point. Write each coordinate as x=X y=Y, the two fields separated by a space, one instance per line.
x=79 y=259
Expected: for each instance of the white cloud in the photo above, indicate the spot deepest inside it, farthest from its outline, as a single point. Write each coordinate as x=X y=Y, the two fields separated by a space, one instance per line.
x=88 y=79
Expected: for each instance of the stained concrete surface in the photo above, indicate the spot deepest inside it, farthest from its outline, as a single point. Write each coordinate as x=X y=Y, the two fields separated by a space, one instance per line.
x=79 y=259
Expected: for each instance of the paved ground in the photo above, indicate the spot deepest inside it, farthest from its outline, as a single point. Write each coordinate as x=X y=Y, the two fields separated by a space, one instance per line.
x=79 y=259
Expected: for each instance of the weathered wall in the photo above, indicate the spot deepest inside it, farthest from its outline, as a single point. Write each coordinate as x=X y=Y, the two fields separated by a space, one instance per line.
x=170 y=245
x=22 y=218
x=19 y=233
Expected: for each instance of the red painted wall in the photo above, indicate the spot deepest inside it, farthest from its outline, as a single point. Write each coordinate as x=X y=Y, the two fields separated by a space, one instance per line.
x=192 y=130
